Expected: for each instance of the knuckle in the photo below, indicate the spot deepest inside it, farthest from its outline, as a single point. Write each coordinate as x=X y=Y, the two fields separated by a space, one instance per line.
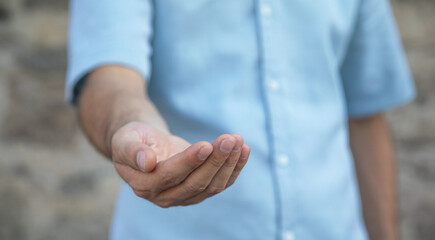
x=194 y=162
x=194 y=187
x=168 y=180
x=142 y=194
x=165 y=204
x=230 y=163
x=138 y=193
x=216 y=162
x=214 y=190
x=138 y=185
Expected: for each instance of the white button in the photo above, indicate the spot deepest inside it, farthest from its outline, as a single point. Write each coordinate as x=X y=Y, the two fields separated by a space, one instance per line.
x=282 y=160
x=273 y=85
x=288 y=235
x=265 y=10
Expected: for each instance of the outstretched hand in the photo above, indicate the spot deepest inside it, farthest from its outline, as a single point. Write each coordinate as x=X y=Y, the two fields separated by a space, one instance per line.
x=168 y=171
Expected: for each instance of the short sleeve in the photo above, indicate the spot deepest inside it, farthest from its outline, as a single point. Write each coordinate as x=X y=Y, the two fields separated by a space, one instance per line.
x=108 y=32
x=375 y=73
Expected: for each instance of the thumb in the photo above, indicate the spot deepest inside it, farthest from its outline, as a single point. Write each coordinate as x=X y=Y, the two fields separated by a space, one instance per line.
x=128 y=149
x=145 y=159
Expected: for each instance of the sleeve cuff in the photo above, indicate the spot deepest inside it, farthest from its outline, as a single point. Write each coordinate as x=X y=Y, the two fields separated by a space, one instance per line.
x=372 y=105
x=77 y=71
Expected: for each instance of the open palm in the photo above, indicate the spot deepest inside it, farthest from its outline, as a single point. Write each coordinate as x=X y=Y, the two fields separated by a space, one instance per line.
x=169 y=171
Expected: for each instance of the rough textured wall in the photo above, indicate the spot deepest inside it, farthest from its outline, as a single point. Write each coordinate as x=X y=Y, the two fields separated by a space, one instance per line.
x=53 y=185
x=414 y=125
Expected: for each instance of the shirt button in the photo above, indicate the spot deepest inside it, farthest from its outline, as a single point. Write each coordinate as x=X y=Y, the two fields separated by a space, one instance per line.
x=273 y=85
x=265 y=10
x=288 y=235
x=282 y=160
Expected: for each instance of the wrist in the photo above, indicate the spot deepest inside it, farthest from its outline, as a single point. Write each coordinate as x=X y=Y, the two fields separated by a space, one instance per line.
x=114 y=96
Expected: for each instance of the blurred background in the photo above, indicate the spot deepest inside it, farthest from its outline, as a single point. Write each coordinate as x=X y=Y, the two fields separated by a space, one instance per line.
x=53 y=185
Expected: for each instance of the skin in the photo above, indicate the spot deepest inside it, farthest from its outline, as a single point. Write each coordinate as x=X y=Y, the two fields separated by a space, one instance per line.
x=123 y=124
x=375 y=166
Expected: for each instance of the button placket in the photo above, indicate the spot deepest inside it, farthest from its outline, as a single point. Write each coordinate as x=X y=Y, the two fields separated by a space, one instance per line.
x=273 y=86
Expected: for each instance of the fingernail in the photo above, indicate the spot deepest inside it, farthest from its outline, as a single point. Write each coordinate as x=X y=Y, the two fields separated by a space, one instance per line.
x=140 y=160
x=227 y=145
x=238 y=146
x=204 y=152
x=245 y=152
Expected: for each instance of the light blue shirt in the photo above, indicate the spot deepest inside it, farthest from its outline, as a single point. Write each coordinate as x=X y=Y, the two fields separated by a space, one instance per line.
x=285 y=74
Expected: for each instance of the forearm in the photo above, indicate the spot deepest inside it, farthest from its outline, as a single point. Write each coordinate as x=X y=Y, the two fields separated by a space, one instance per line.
x=120 y=120
x=112 y=97
x=375 y=166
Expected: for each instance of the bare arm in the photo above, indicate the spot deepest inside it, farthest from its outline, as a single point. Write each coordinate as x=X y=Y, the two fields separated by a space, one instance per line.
x=375 y=166
x=114 y=96
x=123 y=124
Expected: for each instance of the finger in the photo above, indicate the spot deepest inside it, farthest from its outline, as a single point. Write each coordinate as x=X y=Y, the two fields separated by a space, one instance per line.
x=244 y=156
x=199 y=179
x=220 y=180
x=135 y=170
x=174 y=170
x=166 y=175
x=146 y=159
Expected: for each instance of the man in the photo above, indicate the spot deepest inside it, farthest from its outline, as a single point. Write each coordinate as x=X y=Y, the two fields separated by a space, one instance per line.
x=304 y=83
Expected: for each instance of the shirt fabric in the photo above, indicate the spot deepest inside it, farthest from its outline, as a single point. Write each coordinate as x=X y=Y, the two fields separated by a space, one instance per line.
x=285 y=74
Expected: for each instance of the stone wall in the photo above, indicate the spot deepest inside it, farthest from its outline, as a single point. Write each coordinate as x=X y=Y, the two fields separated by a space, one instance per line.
x=414 y=125
x=53 y=185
